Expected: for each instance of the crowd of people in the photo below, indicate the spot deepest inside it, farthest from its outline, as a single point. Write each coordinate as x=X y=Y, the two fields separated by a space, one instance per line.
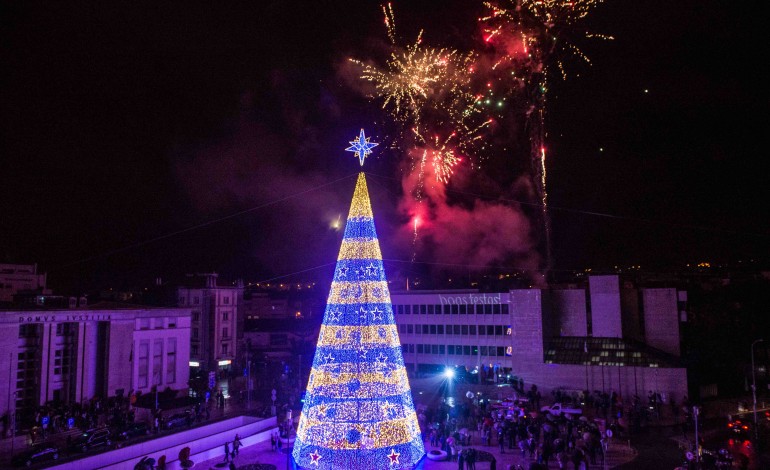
x=539 y=438
x=53 y=418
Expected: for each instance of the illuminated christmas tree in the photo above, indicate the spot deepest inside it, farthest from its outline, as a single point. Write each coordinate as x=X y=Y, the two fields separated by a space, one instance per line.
x=358 y=411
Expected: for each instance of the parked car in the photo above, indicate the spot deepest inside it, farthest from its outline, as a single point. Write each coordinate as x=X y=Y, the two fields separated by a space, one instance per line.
x=38 y=453
x=91 y=439
x=178 y=420
x=557 y=409
x=133 y=430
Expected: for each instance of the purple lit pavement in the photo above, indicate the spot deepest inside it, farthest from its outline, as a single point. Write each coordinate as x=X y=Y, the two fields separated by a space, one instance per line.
x=618 y=454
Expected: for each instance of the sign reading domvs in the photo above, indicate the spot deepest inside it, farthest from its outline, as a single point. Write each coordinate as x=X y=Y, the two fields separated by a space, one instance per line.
x=65 y=318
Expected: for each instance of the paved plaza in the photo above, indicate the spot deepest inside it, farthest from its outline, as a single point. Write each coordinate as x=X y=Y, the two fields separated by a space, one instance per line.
x=618 y=454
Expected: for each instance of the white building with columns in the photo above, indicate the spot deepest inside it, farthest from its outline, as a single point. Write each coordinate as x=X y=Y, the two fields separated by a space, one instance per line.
x=103 y=350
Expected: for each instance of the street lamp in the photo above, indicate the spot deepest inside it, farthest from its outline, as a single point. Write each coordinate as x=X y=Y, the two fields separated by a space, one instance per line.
x=754 y=388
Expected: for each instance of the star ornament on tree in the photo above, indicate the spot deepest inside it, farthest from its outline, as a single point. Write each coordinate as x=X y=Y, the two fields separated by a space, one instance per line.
x=393 y=456
x=315 y=457
x=361 y=147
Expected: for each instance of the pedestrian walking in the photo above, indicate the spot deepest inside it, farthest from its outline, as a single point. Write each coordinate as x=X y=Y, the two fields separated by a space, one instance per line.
x=236 y=445
x=227 y=451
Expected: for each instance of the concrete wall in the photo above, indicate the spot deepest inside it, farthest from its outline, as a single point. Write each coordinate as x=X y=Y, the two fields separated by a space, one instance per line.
x=661 y=319
x=205 y=442
x=569 y=310
x=628 y=381
x=629 y=305
x=605 y=306
x=527 y=325
x=119 y=362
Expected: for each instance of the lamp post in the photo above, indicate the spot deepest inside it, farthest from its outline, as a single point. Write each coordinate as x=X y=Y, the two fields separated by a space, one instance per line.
x=754 y=388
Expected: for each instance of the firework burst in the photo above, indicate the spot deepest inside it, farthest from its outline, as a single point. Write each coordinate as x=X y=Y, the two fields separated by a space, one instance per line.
x=530 y=39
x=428 y=92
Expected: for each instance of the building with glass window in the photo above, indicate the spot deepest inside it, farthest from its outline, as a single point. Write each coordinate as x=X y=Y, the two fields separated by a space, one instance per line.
x=604 y=335
x=103 y=350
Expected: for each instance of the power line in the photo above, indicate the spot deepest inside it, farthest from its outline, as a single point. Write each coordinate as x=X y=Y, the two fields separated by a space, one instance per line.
x=586 y=212
x=203 y=224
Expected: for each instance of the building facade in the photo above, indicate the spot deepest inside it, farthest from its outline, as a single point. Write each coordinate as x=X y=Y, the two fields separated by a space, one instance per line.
x=15 y=278
x=216 y=323
x=74 y=355
x=570 y=337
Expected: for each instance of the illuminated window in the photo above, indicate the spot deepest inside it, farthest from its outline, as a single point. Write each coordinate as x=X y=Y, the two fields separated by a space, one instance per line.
x=157 y=361
x=171 y=360
x=143 y=363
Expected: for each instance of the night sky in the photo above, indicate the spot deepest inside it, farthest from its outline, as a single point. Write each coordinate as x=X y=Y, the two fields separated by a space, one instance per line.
x=124 y=129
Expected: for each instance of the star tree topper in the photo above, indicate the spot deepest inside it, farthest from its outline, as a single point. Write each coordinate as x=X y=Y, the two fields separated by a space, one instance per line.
x=361 y=147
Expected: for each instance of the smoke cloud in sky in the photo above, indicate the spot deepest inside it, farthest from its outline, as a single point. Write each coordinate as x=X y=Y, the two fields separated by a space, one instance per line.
x=250 y=164
x=259 y=158
x=469 y=233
